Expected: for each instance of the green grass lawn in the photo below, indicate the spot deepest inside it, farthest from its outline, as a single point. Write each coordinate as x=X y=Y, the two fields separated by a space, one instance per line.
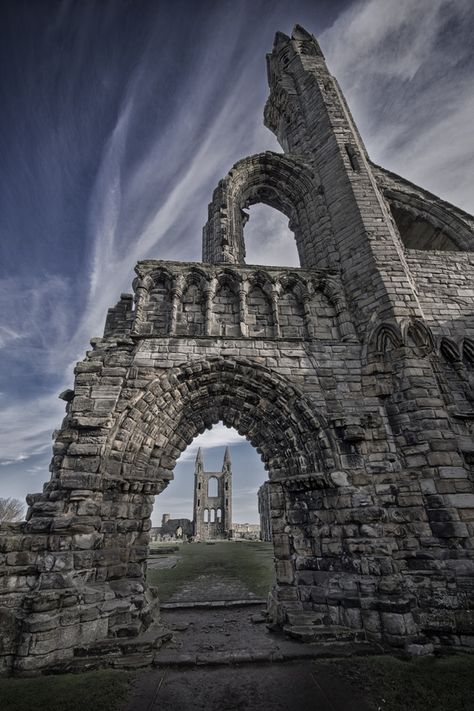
x=105 y=690
x=426 y=684
x=251 y=562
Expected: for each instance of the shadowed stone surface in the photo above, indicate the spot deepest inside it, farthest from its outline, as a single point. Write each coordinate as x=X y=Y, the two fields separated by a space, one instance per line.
x=352 y=376
x=284 y=687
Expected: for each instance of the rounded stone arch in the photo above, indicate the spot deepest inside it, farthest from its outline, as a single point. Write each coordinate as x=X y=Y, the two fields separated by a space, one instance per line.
x=226 y=310
x=260 y=314
x=191 y=310
x=213 y=486
x=281 y=181
x=261 y=279
x=158 y=300
x=197 y=277
x=293 y=300
x=229 y=277
x=161 y=273
x=276 y=418
x=296 y=283
x=428 y=225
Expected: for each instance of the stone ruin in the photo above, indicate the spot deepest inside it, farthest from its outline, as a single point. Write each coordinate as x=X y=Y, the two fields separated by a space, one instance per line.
x=212 y=506
x=352 y=376
x=212 y=500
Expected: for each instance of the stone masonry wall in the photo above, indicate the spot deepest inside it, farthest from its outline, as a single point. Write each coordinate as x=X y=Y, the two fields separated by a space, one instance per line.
x=351 y=376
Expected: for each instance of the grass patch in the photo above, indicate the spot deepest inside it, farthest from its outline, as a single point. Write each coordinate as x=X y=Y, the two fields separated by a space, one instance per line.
x=251 y=562
x=429 y=683
x=106 y=690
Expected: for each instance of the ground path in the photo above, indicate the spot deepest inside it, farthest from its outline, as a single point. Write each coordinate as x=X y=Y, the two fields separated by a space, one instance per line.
x=293 y=686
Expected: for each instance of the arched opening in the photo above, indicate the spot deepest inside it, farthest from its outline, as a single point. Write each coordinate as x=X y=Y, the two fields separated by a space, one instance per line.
x=277 y=181
x=194 y=568
x=283 y=426
x=213 y=486
x=416 y=232
x=268 y=238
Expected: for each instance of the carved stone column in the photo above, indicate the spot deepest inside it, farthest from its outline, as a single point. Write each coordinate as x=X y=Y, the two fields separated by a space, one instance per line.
x=176 y=296
x=243 y=310
x=276 y=318
x=209 y=293
x=141 y=287
x=308 y=317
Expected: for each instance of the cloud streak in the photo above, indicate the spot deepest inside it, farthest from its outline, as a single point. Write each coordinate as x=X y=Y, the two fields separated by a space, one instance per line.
x=407 y=71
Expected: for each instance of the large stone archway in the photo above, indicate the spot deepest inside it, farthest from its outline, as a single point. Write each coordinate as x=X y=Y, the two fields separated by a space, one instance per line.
x=330 y=370
x=158 y=425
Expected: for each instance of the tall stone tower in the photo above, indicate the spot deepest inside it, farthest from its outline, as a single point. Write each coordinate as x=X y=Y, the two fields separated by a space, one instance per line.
x=352 y=376
x=212 y=500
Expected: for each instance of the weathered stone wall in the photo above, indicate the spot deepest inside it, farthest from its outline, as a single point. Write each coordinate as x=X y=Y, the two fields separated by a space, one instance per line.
x=351 y=376
x=445 y=289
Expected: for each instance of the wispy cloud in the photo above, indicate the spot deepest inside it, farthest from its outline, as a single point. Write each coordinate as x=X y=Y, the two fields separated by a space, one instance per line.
x=407 y=72
x=26 y=427
x=219 y=436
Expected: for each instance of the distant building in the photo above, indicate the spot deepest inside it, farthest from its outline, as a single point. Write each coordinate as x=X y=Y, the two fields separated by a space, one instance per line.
x=264 y=511
x=248 y=531
x=212 y=508
x=180 y=529
x=212 y=500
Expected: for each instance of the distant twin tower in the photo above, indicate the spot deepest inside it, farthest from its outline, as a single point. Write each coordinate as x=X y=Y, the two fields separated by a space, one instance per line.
x=212 y=507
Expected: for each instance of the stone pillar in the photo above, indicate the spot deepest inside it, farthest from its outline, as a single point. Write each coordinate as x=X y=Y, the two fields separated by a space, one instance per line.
x=209 y=293
x=141 y=287
x=243 y=310
x=308 y=317
x=176 y=296
x=276 y=317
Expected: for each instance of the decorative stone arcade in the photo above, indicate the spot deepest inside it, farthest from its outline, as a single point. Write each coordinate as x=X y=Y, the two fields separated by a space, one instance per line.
x=352 y=376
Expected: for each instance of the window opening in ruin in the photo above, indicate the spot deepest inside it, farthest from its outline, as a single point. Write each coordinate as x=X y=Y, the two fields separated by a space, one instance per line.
x=213 y=487
x=268 y=238
x=418 y=233
x=233 y=518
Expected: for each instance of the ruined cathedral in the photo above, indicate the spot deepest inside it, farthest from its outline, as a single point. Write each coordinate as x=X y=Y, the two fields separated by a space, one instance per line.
x=352 y=376
x=212 y=505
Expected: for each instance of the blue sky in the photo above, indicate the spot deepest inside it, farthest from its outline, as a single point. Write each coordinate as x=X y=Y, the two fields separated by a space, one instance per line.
x=119 y=118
